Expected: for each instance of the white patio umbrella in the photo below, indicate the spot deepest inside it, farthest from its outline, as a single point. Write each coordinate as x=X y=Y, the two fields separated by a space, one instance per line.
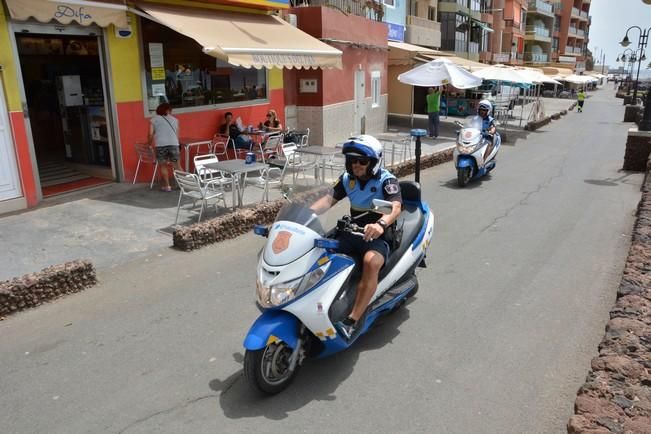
x=578 y=79
x=438 y=73
x=503 y=73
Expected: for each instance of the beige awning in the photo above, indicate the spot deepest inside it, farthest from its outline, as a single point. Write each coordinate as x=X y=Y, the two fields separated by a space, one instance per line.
x=402 y=53
x=100 y=12
x=247 y=39
x=553 y=71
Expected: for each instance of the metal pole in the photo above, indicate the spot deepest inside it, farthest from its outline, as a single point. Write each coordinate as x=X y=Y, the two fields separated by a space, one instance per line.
x=645 y=124
x=418 y=133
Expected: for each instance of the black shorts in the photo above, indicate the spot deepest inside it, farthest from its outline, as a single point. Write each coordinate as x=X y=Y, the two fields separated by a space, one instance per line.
x=355 y=246
x=167 y=153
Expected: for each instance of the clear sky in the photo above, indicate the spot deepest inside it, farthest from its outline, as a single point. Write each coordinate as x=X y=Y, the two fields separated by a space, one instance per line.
x=610 y=19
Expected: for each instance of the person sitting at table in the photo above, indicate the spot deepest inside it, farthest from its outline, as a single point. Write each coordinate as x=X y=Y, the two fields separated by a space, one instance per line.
x=230 y=127
x=272 y=123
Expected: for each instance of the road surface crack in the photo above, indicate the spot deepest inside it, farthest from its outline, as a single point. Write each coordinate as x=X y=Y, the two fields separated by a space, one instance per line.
x=166 y=411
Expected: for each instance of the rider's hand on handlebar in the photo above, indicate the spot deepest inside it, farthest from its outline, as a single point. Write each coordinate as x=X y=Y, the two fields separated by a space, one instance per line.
x=372 y=232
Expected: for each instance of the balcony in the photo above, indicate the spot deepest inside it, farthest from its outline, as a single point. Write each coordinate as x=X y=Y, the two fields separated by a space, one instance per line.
x=536 y=58
x=538 y=33
x=580 y=33
x=348 y=6
x=576 y=13
x=540 y=7
x=583 y=15
x=573 y=51
x=421 y=31
x=501 y=57
x=511 y=26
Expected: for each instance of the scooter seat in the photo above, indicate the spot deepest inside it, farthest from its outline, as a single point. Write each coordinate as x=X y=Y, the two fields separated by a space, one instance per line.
x=411 y=220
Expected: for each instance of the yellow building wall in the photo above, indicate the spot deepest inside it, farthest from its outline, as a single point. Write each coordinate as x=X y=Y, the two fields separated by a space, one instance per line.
x=9 y=75
x=399 y=93
x=124 y=54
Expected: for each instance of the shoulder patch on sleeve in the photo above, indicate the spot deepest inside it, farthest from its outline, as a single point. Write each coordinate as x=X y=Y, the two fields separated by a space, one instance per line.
x=391 y=188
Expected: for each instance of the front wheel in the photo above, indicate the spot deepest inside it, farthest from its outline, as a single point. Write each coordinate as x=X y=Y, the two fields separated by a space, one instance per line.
x=463 y=176
x=267 y=370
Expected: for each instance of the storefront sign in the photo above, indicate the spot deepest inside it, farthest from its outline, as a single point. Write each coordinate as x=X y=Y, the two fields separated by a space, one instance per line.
x=158 y=74
x=66 y=13
x=396 y=32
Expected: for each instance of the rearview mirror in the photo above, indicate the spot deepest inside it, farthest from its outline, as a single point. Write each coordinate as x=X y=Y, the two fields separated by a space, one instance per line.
x=382 y=206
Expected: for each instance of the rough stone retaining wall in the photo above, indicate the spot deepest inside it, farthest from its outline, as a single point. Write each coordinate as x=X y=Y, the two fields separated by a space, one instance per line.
x=638 y=149
x=616 y=396
x=242 y=220
x=34 y=289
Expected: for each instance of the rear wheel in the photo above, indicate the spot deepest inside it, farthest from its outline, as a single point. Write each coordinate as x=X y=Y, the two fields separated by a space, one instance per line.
x=463 y=176
x=267 y=370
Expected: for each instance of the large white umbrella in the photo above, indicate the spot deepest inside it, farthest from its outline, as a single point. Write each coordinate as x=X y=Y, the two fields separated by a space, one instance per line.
x=578 y=79
x=537 y=76
x=440 y=72
x=503 y=73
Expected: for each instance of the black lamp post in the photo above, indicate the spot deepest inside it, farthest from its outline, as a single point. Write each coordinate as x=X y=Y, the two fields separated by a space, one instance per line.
x=645 y=123
x=631 y=59
x=641 y=45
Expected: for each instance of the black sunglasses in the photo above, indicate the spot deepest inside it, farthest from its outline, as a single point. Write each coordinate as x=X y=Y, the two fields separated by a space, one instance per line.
x=359 y=160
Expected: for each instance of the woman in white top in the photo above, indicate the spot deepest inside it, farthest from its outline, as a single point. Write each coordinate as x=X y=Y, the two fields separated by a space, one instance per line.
x=164 y=133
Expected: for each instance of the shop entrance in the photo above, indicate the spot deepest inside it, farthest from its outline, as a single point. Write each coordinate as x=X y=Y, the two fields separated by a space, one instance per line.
x=64 y=90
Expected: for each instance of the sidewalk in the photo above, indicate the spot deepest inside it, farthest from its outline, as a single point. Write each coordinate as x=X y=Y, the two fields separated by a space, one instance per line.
x=117 y=223
x=109 y=225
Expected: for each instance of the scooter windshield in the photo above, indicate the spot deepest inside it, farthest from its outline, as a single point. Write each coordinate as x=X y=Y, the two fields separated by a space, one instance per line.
x=475 y=122
x=301 y=210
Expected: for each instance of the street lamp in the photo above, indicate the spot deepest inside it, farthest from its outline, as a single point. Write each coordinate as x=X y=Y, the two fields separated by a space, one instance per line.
x=641 y=45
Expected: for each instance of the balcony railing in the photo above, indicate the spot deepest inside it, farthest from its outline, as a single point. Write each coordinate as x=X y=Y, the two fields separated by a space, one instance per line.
x=539 y=31
x=501 y=57
x=571 y=30
x=423 y=22
x=576 y=12
x=584 y=14
x=540 y=6
x=581 y=33
x=352 y=7
x=536 y=57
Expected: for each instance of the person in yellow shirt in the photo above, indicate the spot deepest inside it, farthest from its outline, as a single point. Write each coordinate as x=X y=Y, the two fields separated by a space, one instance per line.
x=580 y=98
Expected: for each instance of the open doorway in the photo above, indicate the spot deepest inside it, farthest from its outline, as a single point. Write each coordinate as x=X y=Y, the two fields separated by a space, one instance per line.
x=62 y=77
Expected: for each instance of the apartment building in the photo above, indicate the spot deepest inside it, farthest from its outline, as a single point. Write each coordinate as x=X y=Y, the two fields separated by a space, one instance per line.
x=571 y=34
x=538 y=33
x=466 y=27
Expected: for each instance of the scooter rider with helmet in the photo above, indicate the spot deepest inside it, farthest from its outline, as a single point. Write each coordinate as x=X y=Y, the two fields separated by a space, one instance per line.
x=363 y=181
x=488 y=128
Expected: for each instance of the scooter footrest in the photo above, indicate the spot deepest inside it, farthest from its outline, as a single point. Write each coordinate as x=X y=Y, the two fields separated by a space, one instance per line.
x=394 y=292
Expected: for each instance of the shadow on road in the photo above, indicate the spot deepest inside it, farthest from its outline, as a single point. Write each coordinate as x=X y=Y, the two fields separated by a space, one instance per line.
x=611 y=182
x=475 y=183
x=317 y=380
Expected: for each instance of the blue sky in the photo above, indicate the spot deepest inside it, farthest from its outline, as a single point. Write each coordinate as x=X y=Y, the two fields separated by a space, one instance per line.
x=610 y=19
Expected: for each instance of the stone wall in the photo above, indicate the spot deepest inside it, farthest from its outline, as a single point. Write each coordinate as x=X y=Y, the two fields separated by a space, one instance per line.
x=638 y=149
x=242 y=220
x=616 y=396
x=34 y=289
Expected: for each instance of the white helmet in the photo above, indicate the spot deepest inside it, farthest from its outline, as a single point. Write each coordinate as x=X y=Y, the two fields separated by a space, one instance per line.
x=485 y=104
x=364 y=146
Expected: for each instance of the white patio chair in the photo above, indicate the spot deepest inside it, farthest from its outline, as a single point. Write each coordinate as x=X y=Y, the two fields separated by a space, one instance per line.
x=268 y=177
x=220 y=144
x=270 y=147
x=207 y=174
x=146 y=154
x=191 y=186
x=295 y=162
x=305 y=138
x=337 y=163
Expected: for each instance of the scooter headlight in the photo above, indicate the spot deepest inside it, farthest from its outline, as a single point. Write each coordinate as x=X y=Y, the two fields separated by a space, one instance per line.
x=281 y=293
x=466 y=148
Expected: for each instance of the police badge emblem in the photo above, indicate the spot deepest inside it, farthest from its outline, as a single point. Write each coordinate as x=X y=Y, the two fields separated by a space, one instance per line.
x=281 y=242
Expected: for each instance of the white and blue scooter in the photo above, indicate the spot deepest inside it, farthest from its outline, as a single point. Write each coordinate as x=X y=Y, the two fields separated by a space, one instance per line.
x=304 y=286
x=472 y=156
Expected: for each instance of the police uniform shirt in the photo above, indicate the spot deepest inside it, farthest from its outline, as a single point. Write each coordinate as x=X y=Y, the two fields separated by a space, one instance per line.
x=384 y=186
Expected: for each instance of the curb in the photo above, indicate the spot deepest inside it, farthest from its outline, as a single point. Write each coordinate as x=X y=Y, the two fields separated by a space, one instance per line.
x=242 y=220
x=34 y=289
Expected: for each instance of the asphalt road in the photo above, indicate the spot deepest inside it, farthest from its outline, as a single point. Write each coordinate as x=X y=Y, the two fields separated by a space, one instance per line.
x=522 y=272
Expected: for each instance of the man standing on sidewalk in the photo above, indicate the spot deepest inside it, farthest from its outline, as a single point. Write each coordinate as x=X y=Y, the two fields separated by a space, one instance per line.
x=433 y=108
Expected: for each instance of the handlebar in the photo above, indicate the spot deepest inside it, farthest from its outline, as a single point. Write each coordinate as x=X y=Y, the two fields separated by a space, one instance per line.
x=345 y=224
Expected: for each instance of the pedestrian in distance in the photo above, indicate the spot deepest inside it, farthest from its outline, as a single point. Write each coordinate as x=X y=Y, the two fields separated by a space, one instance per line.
x=164 y=135
x=580 y=98
x=433 y=100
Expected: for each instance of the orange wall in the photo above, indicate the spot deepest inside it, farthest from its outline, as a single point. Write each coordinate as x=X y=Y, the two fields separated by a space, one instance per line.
x=134 y=127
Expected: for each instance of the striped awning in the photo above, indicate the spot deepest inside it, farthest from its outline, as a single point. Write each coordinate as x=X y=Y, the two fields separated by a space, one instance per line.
x=100 y=12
